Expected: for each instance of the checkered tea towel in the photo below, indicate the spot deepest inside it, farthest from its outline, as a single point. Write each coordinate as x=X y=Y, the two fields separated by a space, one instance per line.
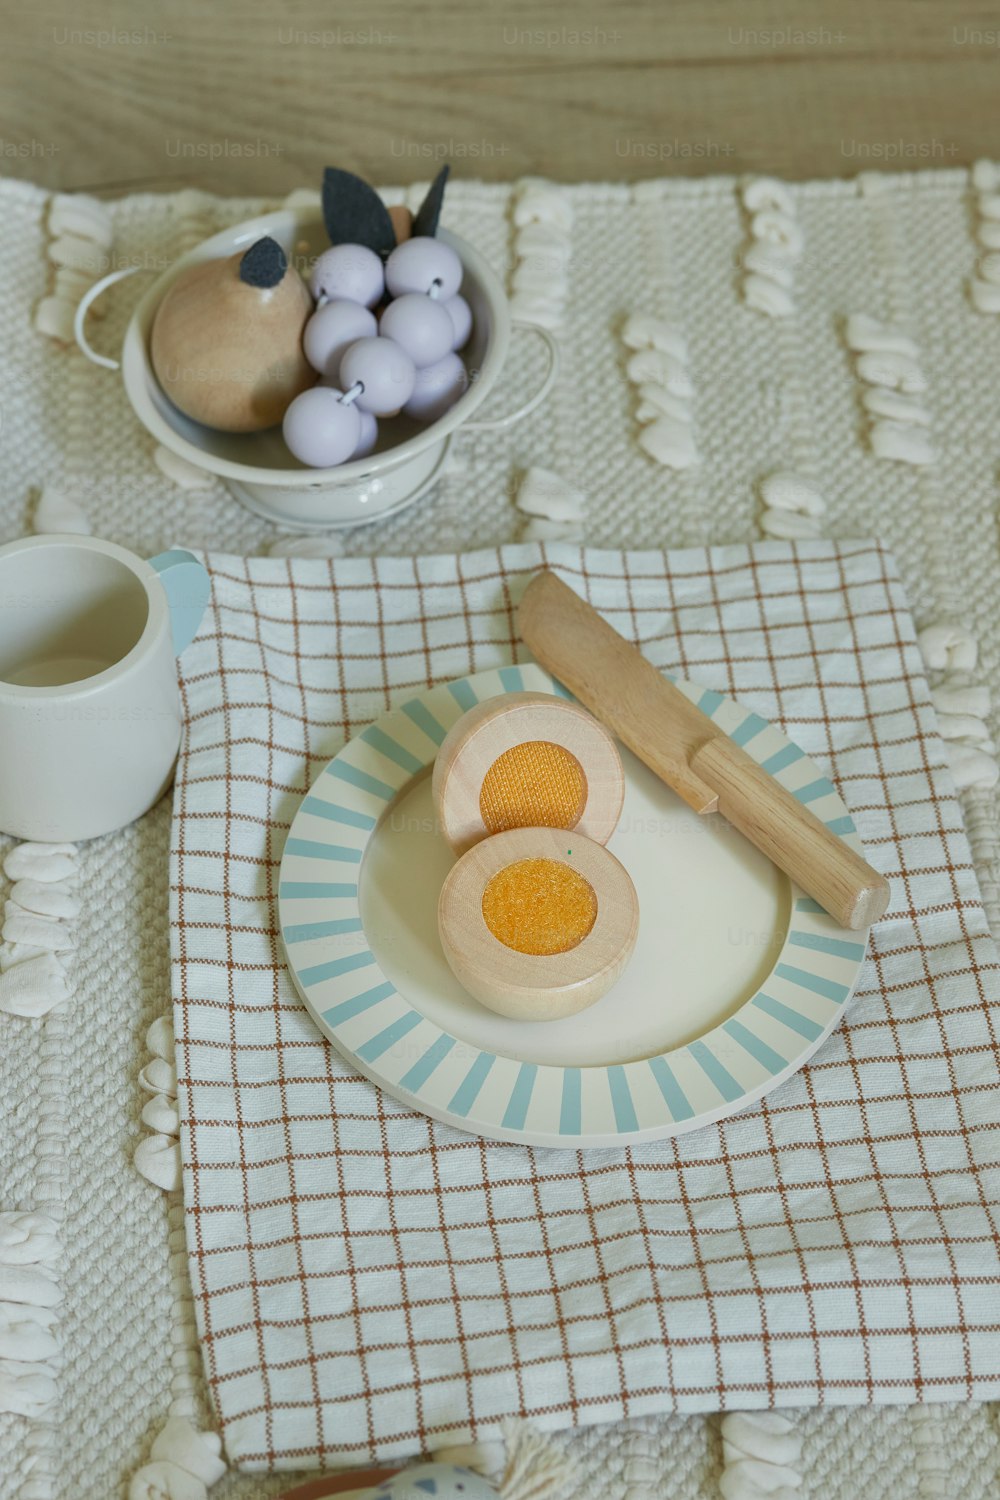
x=368 y=1283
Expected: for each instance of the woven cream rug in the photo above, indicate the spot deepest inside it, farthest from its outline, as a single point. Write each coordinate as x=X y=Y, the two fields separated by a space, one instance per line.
x=774 y=379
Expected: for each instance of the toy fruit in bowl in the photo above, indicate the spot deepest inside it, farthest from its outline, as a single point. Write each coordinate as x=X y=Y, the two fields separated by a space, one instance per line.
x=395 y=458
x=226 y=343
x=424 y=321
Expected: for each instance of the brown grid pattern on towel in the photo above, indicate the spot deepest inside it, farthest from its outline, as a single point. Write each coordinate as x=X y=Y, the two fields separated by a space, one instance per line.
x=369 y=1283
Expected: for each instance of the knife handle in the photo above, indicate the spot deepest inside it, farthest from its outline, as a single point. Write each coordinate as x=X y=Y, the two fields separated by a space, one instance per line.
x=791 y=836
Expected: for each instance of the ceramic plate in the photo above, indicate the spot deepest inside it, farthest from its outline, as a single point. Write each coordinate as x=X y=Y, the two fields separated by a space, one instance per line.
x=736 y=978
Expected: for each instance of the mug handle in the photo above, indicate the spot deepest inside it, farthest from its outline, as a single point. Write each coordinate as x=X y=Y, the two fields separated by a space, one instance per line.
x=496 y=424
x=187 y=587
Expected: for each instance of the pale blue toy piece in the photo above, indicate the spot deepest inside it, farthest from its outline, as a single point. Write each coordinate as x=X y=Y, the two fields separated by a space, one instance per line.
x=187 y=587
x=437 y=1481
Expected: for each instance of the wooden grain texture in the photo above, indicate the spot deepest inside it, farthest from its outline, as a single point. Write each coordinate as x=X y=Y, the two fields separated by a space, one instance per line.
x=792 y=837
x=488 y=731
x=690 y=753
x=537 y=987
x=228 y=354
x=624 y=690
x=257 y=98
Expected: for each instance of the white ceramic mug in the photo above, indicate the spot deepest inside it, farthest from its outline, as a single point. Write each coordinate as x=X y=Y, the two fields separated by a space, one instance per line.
x=90 y=716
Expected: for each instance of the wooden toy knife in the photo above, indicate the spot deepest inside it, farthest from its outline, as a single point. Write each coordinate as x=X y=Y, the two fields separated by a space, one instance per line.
x=688 y=751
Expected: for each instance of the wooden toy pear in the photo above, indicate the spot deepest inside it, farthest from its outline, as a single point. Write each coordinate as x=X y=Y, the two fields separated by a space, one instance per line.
x=226 y=343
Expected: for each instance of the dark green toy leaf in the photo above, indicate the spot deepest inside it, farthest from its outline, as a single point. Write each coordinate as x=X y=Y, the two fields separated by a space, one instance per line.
x=425 y=221
x=354 y=213
x=264 y=264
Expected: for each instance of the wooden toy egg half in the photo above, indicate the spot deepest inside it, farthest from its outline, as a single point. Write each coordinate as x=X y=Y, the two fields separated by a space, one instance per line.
x=527 y=760
x=228 y=353
x=538 y=923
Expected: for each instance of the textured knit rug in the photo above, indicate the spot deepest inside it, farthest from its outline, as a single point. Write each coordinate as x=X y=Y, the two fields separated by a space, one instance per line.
x=768 y=393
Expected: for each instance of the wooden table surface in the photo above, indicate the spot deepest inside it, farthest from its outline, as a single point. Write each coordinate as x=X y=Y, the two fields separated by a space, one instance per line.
x=240 y=96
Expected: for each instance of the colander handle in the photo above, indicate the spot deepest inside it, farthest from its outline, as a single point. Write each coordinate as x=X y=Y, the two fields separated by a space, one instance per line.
x=90 y=296
x=497 y=424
